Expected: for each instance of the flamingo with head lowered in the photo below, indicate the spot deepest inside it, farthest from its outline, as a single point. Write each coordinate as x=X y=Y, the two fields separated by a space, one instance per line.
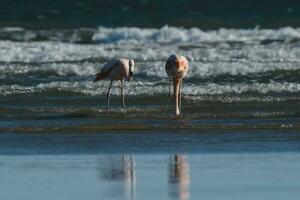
x=176 y=67
x=116 y=70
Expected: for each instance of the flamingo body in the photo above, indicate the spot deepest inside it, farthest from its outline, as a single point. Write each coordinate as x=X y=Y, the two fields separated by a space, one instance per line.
x=177 y=67
x=114 y=70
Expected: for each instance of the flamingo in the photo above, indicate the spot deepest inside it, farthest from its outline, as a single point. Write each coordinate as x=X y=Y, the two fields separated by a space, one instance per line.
x=114 y=70
x=176 y=67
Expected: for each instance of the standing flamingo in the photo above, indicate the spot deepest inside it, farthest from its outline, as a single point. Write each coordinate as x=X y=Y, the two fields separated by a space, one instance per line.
x=176 y=67
x=114 y=70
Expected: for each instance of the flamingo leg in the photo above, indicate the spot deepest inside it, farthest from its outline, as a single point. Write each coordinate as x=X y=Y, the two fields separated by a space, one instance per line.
x=122 y=94
x=176 y=82
x=170 y=85
x=108 y=97
x=169 y=96
x=180 y=86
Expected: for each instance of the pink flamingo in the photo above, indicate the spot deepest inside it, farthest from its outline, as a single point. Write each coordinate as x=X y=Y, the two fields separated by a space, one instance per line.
x=176 y=67
x=114 y=70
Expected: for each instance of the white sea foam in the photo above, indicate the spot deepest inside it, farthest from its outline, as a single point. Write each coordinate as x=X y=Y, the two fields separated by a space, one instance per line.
x=151 y=88
x=213 y=53
x=153 y=44
x=59 y=69
x=149 y=69
x=168 y=34
x=213 y=69
x=165 y=34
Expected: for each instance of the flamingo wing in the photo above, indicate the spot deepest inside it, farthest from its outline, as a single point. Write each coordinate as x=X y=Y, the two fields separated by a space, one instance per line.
x=106 y=69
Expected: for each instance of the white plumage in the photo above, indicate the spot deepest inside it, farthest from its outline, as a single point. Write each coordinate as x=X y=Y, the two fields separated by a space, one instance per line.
x=114 y=70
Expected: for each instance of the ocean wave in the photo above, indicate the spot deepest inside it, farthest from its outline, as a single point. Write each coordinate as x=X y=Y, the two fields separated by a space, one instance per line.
x=245 y=54
x=152 y=88
x=206 y=71
x=50 y=69
x=225 y=55
x=81 y=35
x=168 y=34
x=165 y=34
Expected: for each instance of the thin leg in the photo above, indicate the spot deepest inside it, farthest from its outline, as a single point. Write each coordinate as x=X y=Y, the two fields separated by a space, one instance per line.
x=122 y=95
x=108 y=96
x=169 y=96
x=170 y=85
x=180 y=95
x=176 y=82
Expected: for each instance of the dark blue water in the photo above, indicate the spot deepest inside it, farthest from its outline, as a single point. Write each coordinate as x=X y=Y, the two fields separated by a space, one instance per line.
x=150 y=13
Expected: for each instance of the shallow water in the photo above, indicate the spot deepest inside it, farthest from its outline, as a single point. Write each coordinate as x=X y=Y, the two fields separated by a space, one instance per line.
x=239 y=79
x=260 y=165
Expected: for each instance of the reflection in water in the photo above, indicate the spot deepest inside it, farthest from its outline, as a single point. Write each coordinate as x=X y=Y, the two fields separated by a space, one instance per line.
x=179 y=177
x=121 y=168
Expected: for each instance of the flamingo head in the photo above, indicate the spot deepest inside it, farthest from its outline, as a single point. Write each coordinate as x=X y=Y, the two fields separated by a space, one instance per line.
x=131 y=70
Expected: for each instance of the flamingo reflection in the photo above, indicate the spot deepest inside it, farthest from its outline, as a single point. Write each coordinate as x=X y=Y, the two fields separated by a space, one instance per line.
x=179 y=177
x=121 y=168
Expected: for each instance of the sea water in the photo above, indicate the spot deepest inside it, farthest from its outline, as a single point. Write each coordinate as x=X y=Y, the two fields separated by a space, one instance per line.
x=237 y=138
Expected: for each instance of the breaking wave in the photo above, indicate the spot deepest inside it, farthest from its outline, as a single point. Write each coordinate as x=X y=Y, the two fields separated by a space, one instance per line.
x=165 y=34
x=151 y=88
x=226 y=61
